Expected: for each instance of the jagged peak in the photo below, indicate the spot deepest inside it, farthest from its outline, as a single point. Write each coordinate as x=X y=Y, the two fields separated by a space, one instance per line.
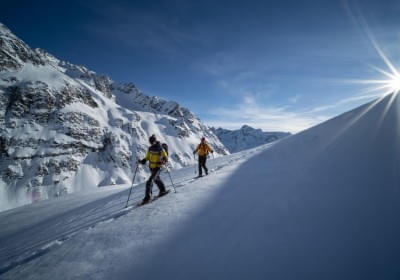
x=7 y=34
x=126 y=87
x=4 y=29
x=159 y=104
x=246 y=137
x=247 y=127
x=102 y=83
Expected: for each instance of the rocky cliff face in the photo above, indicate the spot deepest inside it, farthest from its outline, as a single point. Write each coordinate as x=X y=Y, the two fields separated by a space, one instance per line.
x=246 y=137
x=64 y=128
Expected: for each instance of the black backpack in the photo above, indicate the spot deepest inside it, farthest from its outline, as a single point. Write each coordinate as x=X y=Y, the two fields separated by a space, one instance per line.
x=165 y=147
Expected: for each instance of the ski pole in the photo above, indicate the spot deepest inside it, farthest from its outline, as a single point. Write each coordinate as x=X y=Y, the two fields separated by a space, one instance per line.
x=213 y=158
x=133 y=180
x=195 y=167
x=171 y=180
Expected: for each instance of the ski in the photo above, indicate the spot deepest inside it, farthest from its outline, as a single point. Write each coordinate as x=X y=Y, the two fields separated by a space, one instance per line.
x=153 y=199
x=159 y=196
x=198 y=177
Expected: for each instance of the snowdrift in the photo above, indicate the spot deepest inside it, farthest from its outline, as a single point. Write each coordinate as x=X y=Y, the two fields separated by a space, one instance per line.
x=322 y=204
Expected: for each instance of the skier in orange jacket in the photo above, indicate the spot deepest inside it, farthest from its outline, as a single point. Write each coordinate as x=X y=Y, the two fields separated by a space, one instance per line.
x=203 y=149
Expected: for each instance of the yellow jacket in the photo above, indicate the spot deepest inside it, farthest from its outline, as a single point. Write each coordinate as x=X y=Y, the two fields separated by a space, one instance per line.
x=203 y=149
x=156 y=155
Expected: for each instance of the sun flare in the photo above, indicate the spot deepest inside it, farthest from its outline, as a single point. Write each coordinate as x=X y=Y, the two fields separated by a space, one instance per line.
x=394 y=84
x=389 y=81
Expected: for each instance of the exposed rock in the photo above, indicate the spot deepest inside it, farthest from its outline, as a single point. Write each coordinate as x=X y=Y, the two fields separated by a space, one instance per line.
x=65 y=128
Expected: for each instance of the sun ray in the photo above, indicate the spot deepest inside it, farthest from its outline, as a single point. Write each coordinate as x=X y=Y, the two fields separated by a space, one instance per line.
x=388 y=105
x=378 y=90
x=369 y=81
x=392 y=81
x=388 y=83
x=391 y=76
x=384 y=57
x=378 y=49
x=354 y=120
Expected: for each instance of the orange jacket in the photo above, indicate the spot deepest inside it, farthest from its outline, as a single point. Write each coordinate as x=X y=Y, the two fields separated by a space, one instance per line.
x=203 y=149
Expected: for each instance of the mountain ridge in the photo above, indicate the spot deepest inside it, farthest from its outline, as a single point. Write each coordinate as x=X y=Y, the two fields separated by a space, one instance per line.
x=64 y=128
x=246 y=137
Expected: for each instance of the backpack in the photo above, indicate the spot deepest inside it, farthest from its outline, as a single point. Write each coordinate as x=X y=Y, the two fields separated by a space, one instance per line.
x=165 y=147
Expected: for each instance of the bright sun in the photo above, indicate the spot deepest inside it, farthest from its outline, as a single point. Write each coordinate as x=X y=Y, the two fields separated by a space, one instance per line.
x=394 y=83
x=389 y=84
x=391 y=76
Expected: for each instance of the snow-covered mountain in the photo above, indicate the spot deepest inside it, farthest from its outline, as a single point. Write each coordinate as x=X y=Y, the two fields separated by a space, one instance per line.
x=246 y=137
x=64 y=128
x=321 y=204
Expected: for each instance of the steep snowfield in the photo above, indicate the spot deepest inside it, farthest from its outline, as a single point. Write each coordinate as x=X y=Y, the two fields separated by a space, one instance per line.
x=322 y=204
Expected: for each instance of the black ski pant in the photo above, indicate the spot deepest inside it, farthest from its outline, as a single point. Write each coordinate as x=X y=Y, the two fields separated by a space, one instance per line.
x=155 y=176
x=202 y=164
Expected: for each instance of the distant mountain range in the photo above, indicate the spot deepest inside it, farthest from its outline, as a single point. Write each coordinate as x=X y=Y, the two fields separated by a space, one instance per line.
x=246 y=137
x=64 y=128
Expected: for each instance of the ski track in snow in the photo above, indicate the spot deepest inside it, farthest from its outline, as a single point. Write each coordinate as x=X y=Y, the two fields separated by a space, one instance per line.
x=30 y=232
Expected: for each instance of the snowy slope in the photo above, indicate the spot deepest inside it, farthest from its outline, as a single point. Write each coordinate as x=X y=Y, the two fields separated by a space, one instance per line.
x=63 y=128
x=246 y=137
x=88 y=236
x=322 y=204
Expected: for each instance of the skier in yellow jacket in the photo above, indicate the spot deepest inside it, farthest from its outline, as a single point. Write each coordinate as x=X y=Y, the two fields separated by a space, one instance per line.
x=156 y=156
x=203 y=149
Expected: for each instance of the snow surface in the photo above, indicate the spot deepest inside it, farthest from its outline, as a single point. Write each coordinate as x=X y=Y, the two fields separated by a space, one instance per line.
x=90 y=235
x=322 y=204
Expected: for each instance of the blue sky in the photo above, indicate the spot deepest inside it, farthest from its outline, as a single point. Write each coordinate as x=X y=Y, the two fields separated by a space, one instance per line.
x=275 y=65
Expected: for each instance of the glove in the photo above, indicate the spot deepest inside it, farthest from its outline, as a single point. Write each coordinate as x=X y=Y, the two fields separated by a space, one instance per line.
x=194 y=152
x=142 y=161
x=212 y=152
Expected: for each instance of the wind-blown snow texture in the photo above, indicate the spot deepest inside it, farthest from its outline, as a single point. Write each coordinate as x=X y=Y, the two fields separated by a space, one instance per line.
x=246 y=137
x=64 y=128
x=322 y=204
